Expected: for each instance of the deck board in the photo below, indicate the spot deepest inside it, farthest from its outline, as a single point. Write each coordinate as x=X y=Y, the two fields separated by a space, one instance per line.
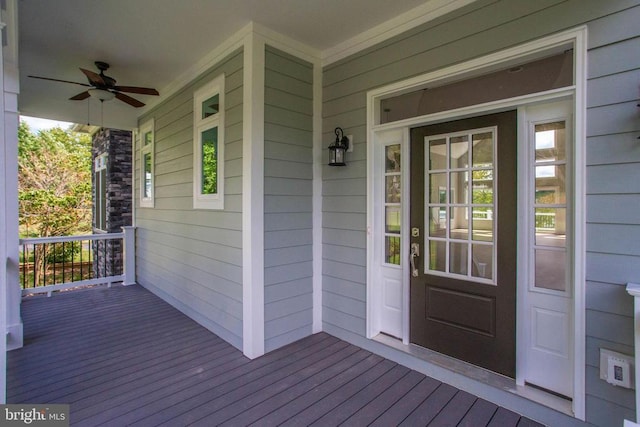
x=122 y=356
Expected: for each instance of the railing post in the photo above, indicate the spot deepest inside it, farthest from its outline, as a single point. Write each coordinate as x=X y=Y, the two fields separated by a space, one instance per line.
x=634 y=290
x=129 y=256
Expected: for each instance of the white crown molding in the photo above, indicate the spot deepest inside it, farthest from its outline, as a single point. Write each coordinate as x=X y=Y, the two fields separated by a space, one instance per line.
x=212 y=58
x=429 y=11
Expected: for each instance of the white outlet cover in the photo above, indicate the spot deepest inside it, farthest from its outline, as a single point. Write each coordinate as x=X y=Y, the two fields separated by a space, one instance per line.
x=609 y=359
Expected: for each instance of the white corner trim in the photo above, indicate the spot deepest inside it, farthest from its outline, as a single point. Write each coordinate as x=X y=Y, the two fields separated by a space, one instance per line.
x=318 y=150
x=429 y=11
x=253 y=197
x=579 y=35
x=287 y=44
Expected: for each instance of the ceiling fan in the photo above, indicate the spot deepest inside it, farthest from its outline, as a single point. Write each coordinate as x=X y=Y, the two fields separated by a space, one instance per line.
x=104 y=87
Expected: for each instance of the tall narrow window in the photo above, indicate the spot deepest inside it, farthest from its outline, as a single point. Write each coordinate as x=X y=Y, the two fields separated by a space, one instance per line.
x=147 y=143
x=392 y=204
x=100 y=204
x=208 y=146
x=550 y=206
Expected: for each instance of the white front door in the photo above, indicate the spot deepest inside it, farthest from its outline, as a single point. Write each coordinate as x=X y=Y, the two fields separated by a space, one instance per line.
x=546 y=235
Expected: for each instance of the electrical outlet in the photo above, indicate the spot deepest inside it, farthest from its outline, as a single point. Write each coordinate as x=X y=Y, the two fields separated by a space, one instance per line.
x=350 y=149
x=616 y=368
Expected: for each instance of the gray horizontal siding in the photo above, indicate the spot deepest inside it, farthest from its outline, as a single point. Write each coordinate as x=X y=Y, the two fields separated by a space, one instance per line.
x=193 y=258
x=288 y=188
x=612 y=156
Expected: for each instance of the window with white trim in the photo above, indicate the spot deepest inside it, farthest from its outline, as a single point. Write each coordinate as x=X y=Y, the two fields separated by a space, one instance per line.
x=208 y=146
x=147 y=143
x=100 y=201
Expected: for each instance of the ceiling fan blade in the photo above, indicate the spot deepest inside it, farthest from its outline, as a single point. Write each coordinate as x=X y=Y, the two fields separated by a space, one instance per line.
x=94 y=78
x=58 y=80
x=80 y=96
x=135 y=89
x=129 y=100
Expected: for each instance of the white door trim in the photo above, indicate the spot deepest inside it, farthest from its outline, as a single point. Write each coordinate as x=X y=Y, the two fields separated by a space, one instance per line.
x=576 y=37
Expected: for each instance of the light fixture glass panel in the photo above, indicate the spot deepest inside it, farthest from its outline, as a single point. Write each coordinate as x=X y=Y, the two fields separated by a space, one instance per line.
x=392 y=158
x=392 y=219
x=551 y=184
x=437 y=255
x=438 y=154
x=392 y=250
x=482 y=151
x=482 y=257
x=437 y=222
x=392 y=189
x=550 y=269
x=459 y=223
x=458 y=256
x=459 y=152
x=550 y=140
x=437 y=188
x=551 y=227
x=209 y=161
x=211 y=106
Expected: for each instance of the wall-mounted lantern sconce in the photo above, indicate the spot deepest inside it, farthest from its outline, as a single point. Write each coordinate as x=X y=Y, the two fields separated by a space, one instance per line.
x=338 y=148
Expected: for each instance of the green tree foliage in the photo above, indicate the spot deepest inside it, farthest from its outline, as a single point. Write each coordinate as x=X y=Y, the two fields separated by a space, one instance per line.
x=54 y=183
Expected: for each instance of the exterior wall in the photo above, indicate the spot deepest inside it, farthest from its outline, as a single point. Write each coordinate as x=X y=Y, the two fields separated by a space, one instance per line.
x=288 y=184
x=613 y=258
x=117 y=144
x=193 y=258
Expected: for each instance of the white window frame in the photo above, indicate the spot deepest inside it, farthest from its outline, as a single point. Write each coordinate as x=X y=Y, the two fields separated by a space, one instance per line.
x=214 y=87
x=100 y=164
x=146 y=127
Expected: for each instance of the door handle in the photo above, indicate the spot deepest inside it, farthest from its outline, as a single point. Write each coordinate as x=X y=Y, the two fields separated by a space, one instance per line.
x=415 y=252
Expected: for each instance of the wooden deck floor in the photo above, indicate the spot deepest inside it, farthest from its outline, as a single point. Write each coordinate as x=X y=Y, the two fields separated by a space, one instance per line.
x=122 y=356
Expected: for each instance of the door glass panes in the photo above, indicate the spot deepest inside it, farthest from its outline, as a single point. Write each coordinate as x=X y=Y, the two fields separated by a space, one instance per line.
x=482 y=150
x=209 y=165
x=550 y=267
x=392 y=250
x=393 y=206
x=458 y=253
x=392 y=219
x=459 y=152
x=551 y=184
x=437 y=255
x=438 y=222
x=392 y=158
x=438 y=188
x=460 y=205
x=148 y=138
x=459 y=222
x=550 y=206
x=482 y=266
x=393 y=188
x=438 y=154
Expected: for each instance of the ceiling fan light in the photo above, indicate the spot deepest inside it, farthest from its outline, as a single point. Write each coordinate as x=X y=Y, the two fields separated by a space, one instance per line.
x=101 y=94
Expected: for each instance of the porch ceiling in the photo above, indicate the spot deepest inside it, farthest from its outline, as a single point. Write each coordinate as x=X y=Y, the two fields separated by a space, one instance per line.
x=152 y=42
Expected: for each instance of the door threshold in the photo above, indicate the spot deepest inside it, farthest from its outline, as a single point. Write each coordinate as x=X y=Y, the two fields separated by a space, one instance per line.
x=479 y=374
